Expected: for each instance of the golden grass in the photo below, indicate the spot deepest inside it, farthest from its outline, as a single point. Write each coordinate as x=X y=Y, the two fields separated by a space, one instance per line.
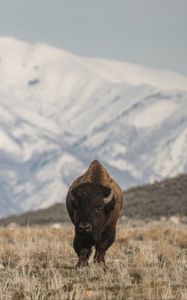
x=147 y=262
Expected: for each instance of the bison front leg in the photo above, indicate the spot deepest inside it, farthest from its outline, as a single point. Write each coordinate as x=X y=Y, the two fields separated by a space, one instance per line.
x=107 y=240
x=83 y=253
x=83 y=257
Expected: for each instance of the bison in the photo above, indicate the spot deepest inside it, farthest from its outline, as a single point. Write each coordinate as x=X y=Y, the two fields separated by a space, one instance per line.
x=94 y=201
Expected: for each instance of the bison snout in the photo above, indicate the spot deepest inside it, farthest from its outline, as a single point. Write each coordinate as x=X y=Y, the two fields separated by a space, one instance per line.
x=85 y=227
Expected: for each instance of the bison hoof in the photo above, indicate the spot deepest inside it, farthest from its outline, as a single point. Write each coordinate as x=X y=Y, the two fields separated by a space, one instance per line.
x=81 y=264
x=102 y=264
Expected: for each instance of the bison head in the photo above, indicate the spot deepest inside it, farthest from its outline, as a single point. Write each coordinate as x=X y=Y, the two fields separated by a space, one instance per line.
x=92 y=204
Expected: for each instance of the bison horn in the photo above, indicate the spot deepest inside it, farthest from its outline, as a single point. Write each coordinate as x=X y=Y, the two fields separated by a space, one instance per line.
x=109 y=198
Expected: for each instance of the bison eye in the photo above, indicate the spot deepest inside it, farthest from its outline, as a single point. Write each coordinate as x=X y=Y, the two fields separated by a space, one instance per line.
x=98 y=209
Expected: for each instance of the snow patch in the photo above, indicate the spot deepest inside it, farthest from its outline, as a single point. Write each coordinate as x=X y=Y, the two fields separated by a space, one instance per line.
x=153 y=114
x=7 y=144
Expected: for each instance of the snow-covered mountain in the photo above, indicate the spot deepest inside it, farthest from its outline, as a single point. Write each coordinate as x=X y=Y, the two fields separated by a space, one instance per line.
x=59 y=111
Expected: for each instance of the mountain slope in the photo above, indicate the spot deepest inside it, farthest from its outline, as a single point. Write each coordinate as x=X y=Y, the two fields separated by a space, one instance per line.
x=59 y=111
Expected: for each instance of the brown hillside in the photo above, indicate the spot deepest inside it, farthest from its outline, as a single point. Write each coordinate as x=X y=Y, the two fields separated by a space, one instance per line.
x=165 y=198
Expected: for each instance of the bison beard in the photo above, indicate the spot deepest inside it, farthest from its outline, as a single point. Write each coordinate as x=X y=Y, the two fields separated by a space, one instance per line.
x=87 y=240
x=94 y=201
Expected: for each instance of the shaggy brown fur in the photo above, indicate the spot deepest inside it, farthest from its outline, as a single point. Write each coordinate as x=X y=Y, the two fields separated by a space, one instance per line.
x=94 y=201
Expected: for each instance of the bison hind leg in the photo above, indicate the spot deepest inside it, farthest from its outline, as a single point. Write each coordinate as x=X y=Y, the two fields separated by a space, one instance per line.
x=99 y=256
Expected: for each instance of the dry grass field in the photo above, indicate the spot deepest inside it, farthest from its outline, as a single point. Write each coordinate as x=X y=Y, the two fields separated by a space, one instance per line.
x=146 y=262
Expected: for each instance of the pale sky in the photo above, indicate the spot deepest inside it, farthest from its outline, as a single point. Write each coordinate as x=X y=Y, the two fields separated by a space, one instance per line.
x=149 y=32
